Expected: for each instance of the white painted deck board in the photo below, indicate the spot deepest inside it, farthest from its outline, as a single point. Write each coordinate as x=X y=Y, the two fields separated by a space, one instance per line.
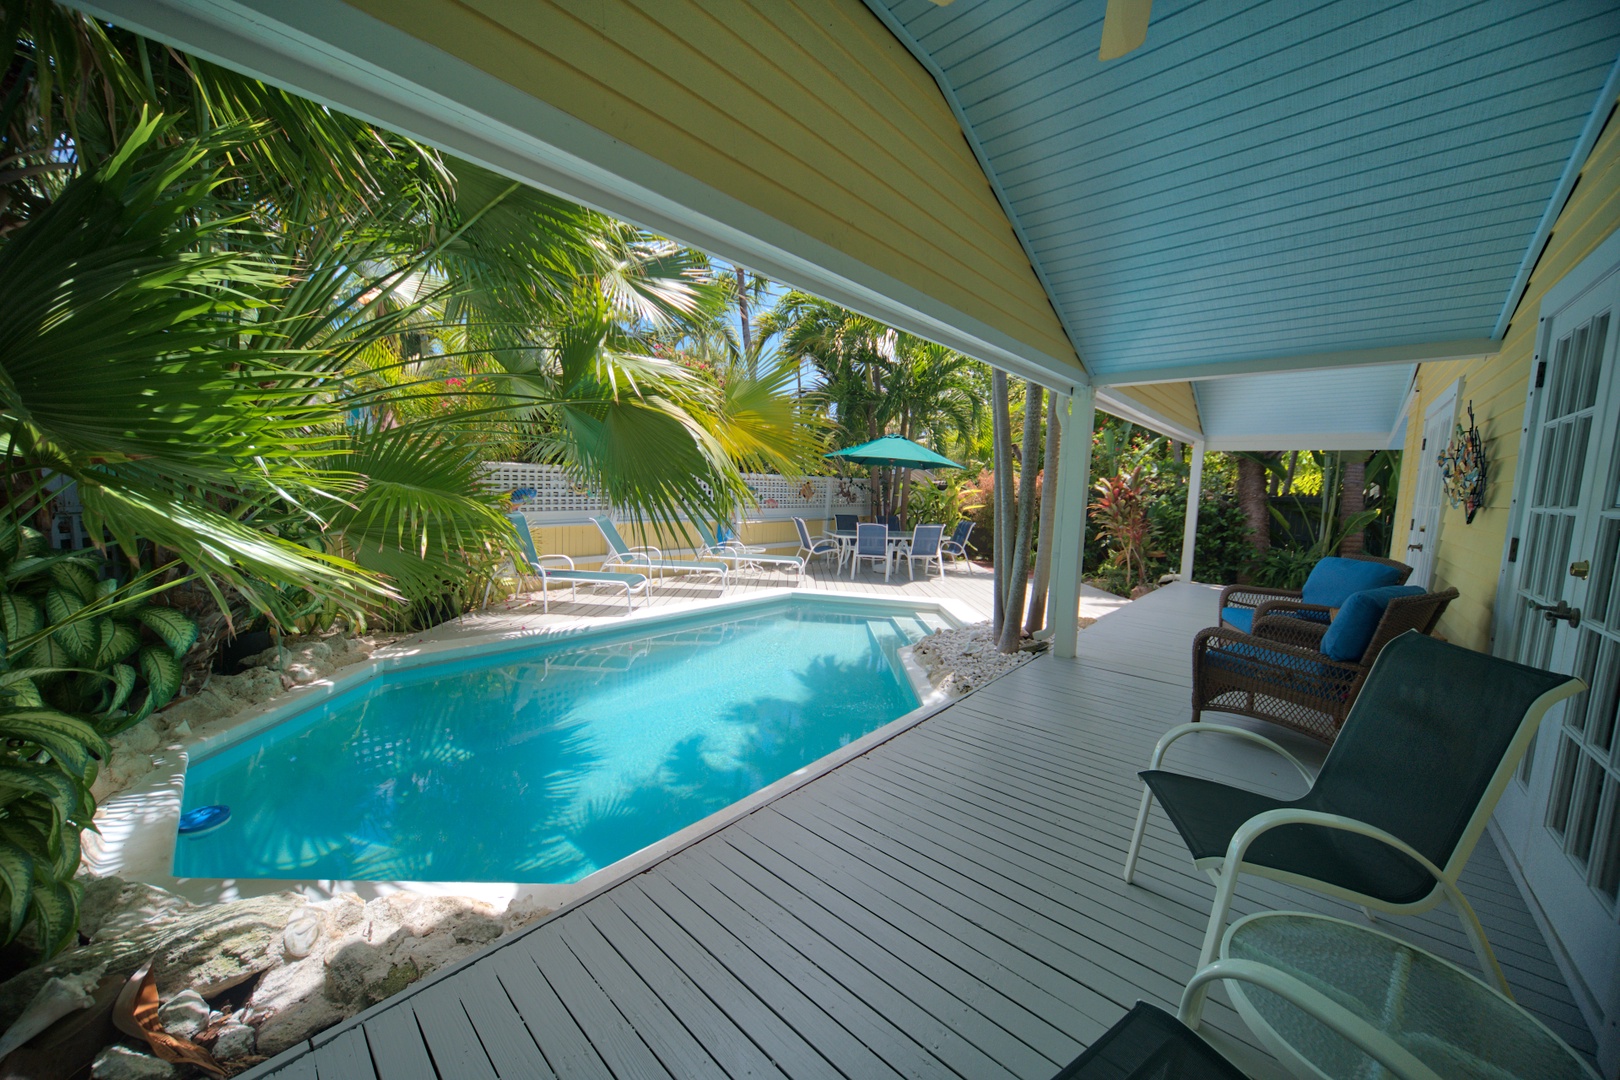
x=948 y=904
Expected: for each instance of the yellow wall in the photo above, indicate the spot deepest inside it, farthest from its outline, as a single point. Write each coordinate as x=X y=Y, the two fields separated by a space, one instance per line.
x=808 y=110
x=1470 y=556
x=1173 y=401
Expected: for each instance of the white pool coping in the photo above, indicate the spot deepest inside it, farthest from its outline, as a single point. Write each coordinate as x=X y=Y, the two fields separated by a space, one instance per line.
x=138 y=827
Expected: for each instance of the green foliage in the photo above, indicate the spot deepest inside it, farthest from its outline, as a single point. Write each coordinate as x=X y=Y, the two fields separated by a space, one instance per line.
x=81 y=659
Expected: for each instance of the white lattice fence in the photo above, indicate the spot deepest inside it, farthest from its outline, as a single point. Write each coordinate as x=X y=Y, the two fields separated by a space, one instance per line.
x=544 y=493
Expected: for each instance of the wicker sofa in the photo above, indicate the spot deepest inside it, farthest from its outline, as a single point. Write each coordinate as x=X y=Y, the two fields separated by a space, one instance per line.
x=1263 y=601
x=1279 y=673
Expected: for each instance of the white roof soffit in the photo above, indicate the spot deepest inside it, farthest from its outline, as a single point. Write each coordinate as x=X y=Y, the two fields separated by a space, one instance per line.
x=1343 y=409
x=345 y=59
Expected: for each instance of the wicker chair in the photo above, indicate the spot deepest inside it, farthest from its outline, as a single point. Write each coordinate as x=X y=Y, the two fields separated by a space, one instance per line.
x=1262 y=599
x=1280 y=674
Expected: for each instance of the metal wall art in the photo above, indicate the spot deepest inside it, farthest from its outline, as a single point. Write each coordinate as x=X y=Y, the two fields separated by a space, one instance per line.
x=1462 y=468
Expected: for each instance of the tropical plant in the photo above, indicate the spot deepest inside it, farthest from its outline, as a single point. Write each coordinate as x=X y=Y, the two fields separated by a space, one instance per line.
x=1120 y=511
x=81 y=659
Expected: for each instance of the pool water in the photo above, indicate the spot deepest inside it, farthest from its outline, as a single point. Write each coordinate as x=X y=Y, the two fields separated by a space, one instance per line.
x=547 y=764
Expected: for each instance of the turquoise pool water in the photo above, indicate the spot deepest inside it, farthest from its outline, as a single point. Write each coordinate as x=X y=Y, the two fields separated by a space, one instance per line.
x=546 y=764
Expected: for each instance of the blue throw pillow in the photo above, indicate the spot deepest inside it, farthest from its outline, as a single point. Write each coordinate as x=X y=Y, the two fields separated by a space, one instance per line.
x=1333 y=580
x=1241 y=618
x=1353 y=627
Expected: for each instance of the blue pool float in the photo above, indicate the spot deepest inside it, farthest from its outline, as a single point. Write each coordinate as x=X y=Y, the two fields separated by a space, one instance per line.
x=203 y=819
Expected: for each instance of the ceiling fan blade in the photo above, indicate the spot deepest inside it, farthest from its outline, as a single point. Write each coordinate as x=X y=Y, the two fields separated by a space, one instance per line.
x=1125 y=26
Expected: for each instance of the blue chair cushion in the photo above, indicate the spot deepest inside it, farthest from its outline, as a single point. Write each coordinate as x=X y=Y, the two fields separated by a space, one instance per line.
x=1240 y=618
x=1352 y=629
x=1333 y=579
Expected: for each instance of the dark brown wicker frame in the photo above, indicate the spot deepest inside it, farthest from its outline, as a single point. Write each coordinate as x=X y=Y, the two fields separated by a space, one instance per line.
x=1279 y=674
x=1262 y=599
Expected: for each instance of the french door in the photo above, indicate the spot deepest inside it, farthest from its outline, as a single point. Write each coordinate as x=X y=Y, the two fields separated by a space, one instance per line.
x=1561 y=814
x=1423 y=531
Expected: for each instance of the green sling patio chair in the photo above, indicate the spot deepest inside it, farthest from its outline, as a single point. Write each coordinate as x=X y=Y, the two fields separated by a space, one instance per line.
x=738 y=555
x=526 y=562
x=1149 y=1044
x=650 y=558
x=1393 y=815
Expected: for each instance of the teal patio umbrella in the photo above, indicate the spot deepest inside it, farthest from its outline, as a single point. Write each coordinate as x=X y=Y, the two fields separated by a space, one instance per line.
x=896 y=452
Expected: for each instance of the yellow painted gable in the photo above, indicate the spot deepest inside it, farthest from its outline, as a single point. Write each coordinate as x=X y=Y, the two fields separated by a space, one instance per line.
x=1172 y=401
x=807 y=110
x=1469 y=556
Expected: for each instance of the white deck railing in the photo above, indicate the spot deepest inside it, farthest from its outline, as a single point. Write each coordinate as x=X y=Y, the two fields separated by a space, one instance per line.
x=544 y=493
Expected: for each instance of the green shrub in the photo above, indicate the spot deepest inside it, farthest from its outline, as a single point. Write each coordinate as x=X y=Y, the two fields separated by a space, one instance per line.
x=80 y=660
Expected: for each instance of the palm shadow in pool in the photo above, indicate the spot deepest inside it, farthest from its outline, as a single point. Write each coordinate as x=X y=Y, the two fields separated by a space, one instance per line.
x=768 y=739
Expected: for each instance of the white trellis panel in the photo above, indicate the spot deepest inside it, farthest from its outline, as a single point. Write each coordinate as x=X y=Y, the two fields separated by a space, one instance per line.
x=544 y=493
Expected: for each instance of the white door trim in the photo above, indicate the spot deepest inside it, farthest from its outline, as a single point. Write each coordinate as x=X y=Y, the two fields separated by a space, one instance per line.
x=1443 y=405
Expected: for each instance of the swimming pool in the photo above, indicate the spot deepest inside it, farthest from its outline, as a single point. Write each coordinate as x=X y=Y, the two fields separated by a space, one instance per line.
x=547 y=763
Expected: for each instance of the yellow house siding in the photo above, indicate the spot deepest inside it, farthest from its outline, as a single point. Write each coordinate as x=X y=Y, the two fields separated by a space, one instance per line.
x=809 y=111
x=1469 y=557
x=1173 y=401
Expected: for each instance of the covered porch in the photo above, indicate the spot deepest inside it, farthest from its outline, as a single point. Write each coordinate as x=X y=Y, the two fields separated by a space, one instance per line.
x=949 y=904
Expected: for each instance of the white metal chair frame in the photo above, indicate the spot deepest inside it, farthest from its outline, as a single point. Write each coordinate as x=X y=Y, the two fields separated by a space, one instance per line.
x=1371 y=1041
x=648 y=557
x=915 y=549
x=956 y=549
x=633 y=584
x=819 y=544
x=741 y=556
x=1226 y=870
x=863 y=533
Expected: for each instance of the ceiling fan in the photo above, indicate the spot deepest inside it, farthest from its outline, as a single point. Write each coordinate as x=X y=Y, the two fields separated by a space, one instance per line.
x=1125 y=26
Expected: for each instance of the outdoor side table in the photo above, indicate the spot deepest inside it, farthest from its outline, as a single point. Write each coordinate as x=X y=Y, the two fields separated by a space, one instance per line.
x=1446 y=1018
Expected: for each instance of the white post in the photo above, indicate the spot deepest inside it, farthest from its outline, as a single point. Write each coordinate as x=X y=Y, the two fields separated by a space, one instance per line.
x=827 y=484
x=1078 y=416
x=1195 y=487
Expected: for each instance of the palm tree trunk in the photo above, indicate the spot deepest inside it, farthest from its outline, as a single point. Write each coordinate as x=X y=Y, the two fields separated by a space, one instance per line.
x=1001 y=519
x=1353 y=501
x=742 y=312
x=1018 y=568
x=1253 y=500
x=1288 y=481
x=1043 y=546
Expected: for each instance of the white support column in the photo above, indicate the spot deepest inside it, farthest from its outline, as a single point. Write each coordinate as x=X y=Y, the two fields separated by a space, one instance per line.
x=1078 y=416
x=1195 y=488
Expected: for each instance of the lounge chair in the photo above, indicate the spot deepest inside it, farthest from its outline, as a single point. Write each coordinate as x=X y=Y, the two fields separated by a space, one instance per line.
x=955 y=545
x=1306 y=675
x=871 y=544
x=739 y=555
x=534 y=566
x=1331 y=581
x=811 y=546
x=1395 y=811
x=650 y=558
x=925 y=545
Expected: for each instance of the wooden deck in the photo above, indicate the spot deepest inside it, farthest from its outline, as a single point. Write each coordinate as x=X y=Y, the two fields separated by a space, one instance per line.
x=949 y=904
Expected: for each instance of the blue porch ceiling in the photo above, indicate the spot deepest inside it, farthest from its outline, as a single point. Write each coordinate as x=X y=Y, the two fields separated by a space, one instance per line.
x=1275 y=178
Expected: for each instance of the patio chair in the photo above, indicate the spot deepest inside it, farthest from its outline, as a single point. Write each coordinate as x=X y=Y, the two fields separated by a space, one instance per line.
x=811 y=546
x=1149 y=1044
x=650 y=558
x=1393 y=815
x=924 y=544
x=534 y=565
x=739 y=555
x=1306 y=675
x=955 y=545
x=892 y=521
x=729 y=534
x=871 y=544
x=846 y=522
x=1331 y=581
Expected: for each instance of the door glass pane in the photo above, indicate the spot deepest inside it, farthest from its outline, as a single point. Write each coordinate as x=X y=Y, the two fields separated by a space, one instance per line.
x=1606 y=862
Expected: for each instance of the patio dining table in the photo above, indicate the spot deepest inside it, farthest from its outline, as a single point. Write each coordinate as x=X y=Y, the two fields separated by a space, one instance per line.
x=846 y=539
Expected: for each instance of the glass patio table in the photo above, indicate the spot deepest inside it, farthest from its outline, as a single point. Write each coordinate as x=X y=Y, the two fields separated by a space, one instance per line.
x=1450 y=1021
x=846 y=538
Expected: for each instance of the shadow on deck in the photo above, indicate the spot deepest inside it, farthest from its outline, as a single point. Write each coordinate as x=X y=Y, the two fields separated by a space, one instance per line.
x=949 y=904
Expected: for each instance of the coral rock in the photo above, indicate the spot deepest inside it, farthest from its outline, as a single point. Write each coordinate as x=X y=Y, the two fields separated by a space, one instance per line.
x=185 y=1014
x=119 y=1062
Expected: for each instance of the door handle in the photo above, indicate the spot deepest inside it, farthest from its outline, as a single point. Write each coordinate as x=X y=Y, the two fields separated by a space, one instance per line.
x=1414 y=547
x=1560 y=610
